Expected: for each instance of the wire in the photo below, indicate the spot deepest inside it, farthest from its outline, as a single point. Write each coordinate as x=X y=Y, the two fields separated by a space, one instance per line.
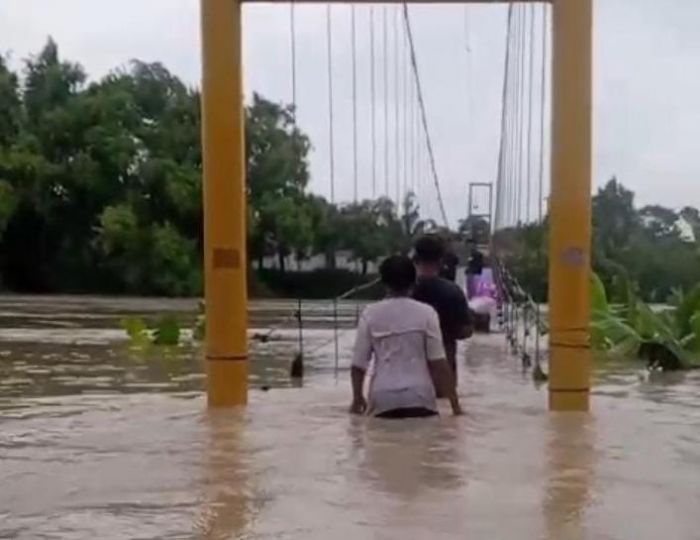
x=421 y=102
x=331 y=124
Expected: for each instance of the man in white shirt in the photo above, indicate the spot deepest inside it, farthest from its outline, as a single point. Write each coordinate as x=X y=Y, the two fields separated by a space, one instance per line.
x=403 y=335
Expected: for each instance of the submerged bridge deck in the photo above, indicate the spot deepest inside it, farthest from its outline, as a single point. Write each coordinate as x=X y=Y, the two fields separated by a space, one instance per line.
x=102 y=443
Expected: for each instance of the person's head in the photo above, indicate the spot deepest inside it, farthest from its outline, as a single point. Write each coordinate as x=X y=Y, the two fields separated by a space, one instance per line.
x=398 y=274
x=448 y=269
x=428 y=252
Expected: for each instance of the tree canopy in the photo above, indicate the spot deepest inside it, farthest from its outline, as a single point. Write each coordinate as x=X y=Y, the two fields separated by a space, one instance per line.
x=100 y=184
x=653 y=247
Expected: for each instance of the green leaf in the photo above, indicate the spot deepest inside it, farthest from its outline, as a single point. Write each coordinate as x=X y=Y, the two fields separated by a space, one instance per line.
x=136 y=329
x=599 y=300
x=687 y=309
x=609 y=330
x=654 y=327
x=626 y=348
x=167 y=332
x=691 y=341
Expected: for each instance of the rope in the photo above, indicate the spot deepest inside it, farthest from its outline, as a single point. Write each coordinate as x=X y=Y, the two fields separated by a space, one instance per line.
x=284 y=322
x=331 y=124
x=421 y=102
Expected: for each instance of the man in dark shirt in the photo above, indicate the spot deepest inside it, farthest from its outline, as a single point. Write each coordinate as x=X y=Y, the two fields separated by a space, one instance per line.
x=475 y=266
x=476 y=261
x=456 y=322
x=449 y=266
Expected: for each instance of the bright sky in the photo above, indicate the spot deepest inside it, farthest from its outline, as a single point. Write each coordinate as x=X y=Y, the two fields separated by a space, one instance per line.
x=647 y=80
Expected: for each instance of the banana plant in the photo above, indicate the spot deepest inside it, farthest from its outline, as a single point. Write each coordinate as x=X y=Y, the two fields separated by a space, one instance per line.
x=666 y=339
x=166 y=331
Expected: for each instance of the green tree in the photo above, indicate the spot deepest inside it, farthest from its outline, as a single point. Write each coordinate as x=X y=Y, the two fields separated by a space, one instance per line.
x=10 y=110
x=277 y=176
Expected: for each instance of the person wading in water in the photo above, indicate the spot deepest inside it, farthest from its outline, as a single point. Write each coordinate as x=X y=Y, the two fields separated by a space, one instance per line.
x=404 y=338
x=456 y=321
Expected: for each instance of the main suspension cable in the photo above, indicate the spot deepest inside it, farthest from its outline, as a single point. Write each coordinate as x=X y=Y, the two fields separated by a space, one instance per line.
x=503 y=144
x=424 y=119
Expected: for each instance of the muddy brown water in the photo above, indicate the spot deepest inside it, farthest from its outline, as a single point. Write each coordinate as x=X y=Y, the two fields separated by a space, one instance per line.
x=98 y=440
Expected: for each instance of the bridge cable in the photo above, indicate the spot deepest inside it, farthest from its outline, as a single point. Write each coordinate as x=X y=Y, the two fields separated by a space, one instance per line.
x=527 y=307
x=385 y=36
x=540 y=192
x=331 y=123
x=331 y=149
x=373 y=101
x=424 y=120
x=397 y=159
x=505 y=105
x=293 y=49
x=521 y=114
x=353 y=38
x=412 y=133
x=530 y=108
x=404 y=112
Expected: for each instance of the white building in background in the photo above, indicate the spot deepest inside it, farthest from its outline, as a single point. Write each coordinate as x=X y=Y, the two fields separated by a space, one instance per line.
x=686 y=230
x=343 y=260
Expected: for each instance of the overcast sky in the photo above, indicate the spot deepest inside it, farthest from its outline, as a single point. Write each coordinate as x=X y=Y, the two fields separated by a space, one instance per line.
x=647 y=81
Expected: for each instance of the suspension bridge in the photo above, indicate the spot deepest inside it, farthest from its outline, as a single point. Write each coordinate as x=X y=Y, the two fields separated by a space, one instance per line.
x=531 y=67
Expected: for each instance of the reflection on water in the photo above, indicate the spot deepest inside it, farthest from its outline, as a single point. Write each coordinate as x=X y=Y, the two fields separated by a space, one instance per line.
x=570 y=462
x=101 y=441
x=228 y=499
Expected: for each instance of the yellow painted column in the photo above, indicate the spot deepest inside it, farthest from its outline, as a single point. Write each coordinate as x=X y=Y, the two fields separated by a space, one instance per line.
x=570 y=205
x=224 y=203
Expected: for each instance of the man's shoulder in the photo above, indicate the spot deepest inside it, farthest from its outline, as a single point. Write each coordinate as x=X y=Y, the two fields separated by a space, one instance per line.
x=444 y=285
x=393 y=304
x=433 y=289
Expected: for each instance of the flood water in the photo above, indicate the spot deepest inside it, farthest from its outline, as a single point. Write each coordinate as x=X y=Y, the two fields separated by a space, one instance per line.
x=98 y=440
